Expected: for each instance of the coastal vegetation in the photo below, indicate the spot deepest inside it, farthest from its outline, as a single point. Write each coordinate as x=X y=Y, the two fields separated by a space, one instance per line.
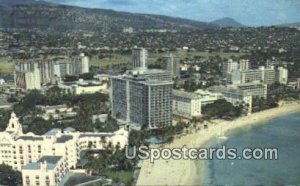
x=222 y=109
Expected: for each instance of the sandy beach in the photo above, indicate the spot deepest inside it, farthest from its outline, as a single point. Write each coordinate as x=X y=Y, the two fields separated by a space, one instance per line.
x=184 y=172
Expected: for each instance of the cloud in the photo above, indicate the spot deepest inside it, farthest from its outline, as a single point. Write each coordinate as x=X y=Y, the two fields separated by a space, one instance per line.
x=249 y=12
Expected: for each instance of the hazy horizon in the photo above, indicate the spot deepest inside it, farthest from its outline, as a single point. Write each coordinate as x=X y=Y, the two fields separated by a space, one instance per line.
x=246 y=12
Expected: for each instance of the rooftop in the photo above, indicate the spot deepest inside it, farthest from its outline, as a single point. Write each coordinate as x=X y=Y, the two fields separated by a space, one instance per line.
x=185 y=94
x=64 y=139
x=95 y=135
x=50 y=160
x=30 y=138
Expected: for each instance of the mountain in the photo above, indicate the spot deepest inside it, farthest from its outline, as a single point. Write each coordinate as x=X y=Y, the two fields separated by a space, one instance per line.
x=227 y=22
x=7 y=3
x=30 y=14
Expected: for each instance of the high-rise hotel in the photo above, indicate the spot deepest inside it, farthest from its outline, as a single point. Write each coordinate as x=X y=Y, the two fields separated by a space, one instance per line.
x=142 y=97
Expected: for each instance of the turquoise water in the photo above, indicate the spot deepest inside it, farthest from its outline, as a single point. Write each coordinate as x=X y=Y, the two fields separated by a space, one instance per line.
x=282 y=133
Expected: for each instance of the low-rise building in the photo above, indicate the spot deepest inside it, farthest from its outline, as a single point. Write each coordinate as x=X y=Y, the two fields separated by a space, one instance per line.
x=255 y=89
x=85 y=87
x=186 y=104
x=207 y=97
x=235 y=96
x=56 y=112
x=47 y=171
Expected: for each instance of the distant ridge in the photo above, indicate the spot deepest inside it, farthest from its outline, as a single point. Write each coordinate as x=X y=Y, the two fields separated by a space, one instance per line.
x=29 y=14
x=227 y=22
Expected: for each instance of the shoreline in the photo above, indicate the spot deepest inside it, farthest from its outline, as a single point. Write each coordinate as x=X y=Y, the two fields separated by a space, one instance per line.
x=184 y=172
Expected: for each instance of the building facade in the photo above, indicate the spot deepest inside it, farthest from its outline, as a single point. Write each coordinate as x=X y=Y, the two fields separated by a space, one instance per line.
x=186 y=104
x=282 y=75
x=80 y=64
x=259 y=90
x=235 y=96
x=229 y=66
x=244 y=64
x=27 y=76
x=143 y=101
x=263 y=75
x=139 y=58
x=20 y=150
x=171 y=64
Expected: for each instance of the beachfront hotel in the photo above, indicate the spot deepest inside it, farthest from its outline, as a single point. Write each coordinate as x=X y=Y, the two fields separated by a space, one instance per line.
x=141 y=100
x=186 y=104
x=142 y=97
x=45 y=159
x=235 y=96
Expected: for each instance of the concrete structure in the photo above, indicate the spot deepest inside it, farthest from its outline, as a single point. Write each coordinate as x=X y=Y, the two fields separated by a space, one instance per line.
x=2 y=81
x=186 y=104
x=47 y=70
x=65 y=69
x=80 y=64
x=47 y=171
x=235 y=96
x=139 y=58
x=264 y=75
x=298 y=83
x=84 y=87
x=229 y=66
x=244 y=64
x=207 y=97
x=56 y=112
x=154 y=74
x=20 y=150
x=254 y=89
x=27 y=76
x=282 y=75
x=142 y=101
x=171 y=64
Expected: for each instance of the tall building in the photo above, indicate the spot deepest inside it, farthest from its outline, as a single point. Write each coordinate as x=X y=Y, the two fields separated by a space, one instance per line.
x=27 y=76
x=244 y=64
x=186 y=104
x=44 y=159
x=65 y=69
x=229 y=66
x=142 y=101
x=171 y=64
x=80 y=64
x=46 y=68
x=139 y=58
x=262 y=74
x=282 y=75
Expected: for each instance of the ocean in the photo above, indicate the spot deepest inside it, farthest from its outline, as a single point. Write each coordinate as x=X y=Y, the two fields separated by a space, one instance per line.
x=282 y=133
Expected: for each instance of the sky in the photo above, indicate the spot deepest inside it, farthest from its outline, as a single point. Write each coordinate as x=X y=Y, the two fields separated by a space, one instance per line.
x=247 y=12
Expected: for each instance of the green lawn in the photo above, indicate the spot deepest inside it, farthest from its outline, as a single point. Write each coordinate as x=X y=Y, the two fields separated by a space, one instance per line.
x=6 y=65
x=124 y=177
